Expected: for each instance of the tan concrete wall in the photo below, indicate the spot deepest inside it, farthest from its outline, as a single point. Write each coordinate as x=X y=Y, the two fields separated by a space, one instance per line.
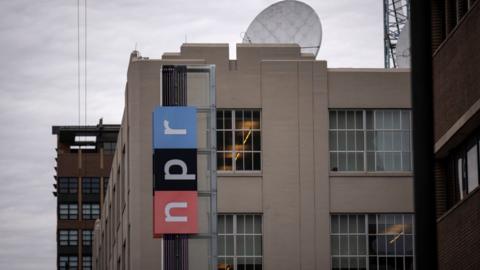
x=369 y=88
x=294 y=191
x=377 y=194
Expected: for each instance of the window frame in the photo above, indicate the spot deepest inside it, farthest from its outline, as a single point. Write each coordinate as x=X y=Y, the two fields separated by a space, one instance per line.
x=369 y=130
x=67 y=185
x=382 y=232
x=87 y=237
x=462 y=182
x=249 y=135
x=91 y=185
x=69 y=260
x=87 y=211
x=235 y=234
x=87 y=260
x=70 y=240
x=71 y=211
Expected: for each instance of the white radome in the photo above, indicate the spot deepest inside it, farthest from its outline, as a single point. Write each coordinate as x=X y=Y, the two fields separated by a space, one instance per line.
x=287 y=22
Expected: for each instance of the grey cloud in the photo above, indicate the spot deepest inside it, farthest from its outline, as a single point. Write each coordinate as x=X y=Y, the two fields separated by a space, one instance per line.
x=38 y=84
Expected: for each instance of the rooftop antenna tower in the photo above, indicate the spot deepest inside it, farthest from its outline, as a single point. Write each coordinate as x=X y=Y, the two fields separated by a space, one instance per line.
x=395 y=16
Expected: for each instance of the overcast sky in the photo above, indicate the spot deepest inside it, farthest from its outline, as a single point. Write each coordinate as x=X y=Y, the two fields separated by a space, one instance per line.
x=38 y=83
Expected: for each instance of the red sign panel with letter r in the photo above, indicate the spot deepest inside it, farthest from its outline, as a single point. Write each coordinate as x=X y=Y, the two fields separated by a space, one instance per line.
x=175 y=212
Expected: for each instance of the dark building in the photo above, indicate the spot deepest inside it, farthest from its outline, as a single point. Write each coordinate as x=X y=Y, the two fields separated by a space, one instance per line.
x=456 y=86
x=84 y=158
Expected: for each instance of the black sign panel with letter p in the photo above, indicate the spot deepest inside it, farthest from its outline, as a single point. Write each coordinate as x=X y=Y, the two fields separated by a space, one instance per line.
x=175 y=169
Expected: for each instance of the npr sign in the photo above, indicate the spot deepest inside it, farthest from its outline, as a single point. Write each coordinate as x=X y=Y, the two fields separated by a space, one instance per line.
x=175 y=170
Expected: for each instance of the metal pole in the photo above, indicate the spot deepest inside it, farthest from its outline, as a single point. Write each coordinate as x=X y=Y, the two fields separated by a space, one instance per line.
x=213 y=172
x=422 y=104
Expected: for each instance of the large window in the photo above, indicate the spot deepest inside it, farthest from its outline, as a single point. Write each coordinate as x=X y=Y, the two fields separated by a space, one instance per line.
x=67 y=185
x=68 y=211
x=467 y=164
x=87 y=237
x=238 y=140
x=68 y=262
x=240 y=242
x=68 y=237
x=91 y=185
x=90 y=211
x=373 y=241
x=87 y=263
x=370 y=140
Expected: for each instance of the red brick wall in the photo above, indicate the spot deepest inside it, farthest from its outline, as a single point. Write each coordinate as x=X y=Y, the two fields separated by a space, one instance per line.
x=459 y=235
x=456 y=72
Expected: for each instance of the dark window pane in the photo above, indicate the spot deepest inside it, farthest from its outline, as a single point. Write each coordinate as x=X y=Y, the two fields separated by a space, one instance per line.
x=220 y=139
x=256 y=119
x=248 y=161
x=256 y=140
x=359 y=119
x=228 y=162
x=220 y=161
x=228 y=141
x=372 y=261
x=247 y=119
x=238 y=141
x=219 y=119
x=333 y=162
x=238 y=119
x=227 y=121
x=256 y=161
x=372 y=245
x=341 y=120
x=239 y=158
x=332 y=119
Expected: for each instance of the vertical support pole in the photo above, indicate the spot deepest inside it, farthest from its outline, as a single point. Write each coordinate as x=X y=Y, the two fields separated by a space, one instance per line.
x=213 y=171
x=422 y=103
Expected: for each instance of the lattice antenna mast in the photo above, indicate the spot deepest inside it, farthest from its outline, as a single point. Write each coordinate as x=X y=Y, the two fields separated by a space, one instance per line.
x=395 y=15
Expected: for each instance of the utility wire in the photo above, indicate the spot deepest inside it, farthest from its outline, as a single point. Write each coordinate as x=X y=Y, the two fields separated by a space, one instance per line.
x=78 y=58
x=85 y=63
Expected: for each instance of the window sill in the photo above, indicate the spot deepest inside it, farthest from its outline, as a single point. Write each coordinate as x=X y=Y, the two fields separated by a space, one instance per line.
x=371 y=174
x=239 y=174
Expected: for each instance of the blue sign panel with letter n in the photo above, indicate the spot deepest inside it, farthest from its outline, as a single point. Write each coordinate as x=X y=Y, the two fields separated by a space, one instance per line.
x=175 y=128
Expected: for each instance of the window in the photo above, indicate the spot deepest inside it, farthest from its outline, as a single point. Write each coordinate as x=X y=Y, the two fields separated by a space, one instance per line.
x=90 y=211
x=67 y=185
x=68 y=211
x=109 y=147
x=68 y=263
x=370 y=140
x=238 y=140
x=373 y=241
x=87 y=237
x=68 y=237
x=240 y=242
x=472 y=168
x=105 y=185
x=87 y=263
x=466 y=163
x=460 y=177
x=91 y=185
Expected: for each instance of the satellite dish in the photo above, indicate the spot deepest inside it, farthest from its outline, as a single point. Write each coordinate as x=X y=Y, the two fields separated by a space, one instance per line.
x=403 y=47
x=287 y=22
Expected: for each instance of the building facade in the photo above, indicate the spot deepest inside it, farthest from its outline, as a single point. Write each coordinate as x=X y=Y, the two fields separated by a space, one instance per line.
x=84 y=156
x=313 y=164
x=456 y=86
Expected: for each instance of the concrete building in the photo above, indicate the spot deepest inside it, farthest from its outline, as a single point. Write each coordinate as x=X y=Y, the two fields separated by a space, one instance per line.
x=456 y=86
x=314 y=164
x=84 y=156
